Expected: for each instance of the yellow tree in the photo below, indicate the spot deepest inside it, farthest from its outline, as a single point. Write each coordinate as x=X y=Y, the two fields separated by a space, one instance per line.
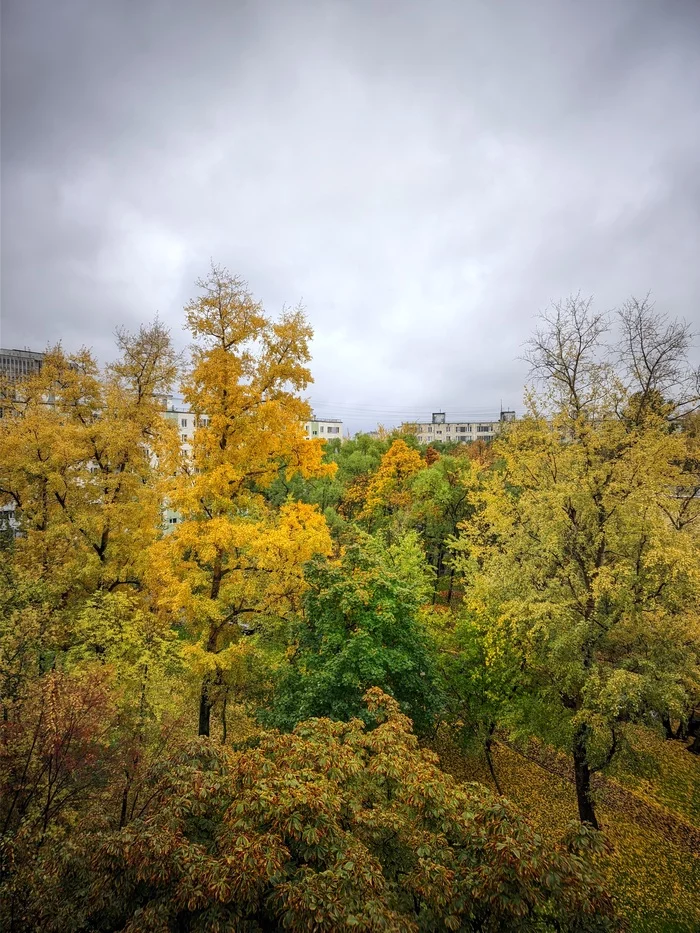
x=389 y=489
x=78 y=454
x=584 y=582
x=232 y=556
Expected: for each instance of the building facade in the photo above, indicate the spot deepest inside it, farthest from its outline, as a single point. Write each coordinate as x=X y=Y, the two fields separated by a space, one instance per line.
x=18 y=364
x=328 y=429
x=440 y=429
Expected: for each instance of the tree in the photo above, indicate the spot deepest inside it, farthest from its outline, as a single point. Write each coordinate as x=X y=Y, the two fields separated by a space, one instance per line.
x=387 y=491
x=78 y=455
x=440 y=501
x=233 y=556
x=576 y=572
x=335 y=827
x=361 y=628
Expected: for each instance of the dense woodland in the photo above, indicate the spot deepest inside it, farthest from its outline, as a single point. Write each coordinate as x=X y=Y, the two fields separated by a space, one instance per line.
x=293 y=708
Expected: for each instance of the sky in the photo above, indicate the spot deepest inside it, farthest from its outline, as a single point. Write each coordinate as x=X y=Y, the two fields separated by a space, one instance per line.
x=425 y=177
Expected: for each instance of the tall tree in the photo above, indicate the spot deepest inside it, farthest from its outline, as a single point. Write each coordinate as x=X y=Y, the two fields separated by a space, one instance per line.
x=577 y=570
x=232 y=556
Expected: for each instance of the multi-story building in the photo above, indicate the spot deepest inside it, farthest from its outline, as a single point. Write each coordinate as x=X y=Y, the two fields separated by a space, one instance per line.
x=18 y=364
x=15 y=365
x=328 y=428
x=440 y=429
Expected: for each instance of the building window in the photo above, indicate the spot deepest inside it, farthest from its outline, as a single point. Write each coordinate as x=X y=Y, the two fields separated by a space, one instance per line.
x=172 y=521
x=184 y=438
x=183 y=422
x=321 y=429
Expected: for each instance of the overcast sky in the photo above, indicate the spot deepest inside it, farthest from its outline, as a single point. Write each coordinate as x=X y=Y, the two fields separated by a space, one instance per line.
x=425 y=176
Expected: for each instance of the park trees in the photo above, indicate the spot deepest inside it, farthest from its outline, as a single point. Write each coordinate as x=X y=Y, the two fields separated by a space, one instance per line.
x=576 y=571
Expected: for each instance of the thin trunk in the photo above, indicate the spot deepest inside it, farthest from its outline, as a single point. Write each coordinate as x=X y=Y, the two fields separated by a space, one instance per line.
x=582 y=773
x=204 y=707
x=224 y=729
x=125 y=802
x=205 y=702
x=489 y=759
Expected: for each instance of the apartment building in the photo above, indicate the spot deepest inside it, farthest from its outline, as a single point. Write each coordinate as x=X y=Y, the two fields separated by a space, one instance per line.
x=18 y=364
x=440 y=429
x=15 y=365
x=328 y=429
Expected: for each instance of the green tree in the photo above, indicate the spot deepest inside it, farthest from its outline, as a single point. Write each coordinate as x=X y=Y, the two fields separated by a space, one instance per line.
x=361 y=627
x=440 y=501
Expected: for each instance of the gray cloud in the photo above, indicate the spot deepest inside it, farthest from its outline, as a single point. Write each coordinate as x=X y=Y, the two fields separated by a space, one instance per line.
x=425 y=176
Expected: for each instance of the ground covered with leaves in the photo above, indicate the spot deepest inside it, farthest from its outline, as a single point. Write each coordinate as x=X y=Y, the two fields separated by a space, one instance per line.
x=652 y=866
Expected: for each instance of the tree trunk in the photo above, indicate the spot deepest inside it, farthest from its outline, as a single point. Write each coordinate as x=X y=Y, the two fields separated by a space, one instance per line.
x=224 y=724
x=205 y=702
x=452 y=583
x=693 y=729
x=489 y=759
x=582 y=773
x=204 y=707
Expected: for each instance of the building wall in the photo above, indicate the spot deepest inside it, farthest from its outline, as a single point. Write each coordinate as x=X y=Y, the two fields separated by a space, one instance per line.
x=18 y=364
x=457 y=431
x=439 y=429
x=329 y=429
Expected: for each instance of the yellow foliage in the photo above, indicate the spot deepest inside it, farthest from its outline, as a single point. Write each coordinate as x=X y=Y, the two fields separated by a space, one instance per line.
x=388 y=488
x=232 y=556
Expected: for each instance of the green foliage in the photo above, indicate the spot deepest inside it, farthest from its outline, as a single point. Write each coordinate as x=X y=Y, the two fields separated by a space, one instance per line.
x=361 y=628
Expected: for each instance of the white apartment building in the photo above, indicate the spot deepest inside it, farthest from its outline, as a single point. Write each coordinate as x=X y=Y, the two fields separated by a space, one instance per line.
x=440 y=429
x=329 y=428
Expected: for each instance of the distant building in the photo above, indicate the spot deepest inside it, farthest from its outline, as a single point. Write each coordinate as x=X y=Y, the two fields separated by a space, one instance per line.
x=440 y=429
x=15 y=365
x=18 y=364
x=328 y=428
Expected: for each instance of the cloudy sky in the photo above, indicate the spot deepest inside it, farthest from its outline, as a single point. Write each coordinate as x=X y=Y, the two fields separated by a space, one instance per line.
x=424 y=176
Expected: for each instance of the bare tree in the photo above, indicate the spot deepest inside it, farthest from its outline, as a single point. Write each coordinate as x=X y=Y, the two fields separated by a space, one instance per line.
x=653 y=357
x=568 y=355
